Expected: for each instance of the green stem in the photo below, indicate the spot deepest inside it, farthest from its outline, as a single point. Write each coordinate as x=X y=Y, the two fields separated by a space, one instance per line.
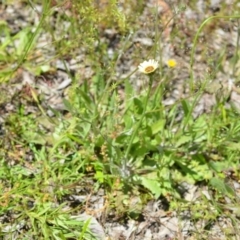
x=141 y=119
x=196 y=39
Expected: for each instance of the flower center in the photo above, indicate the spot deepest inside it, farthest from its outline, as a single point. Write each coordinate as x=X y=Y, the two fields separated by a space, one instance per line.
x=149 y=69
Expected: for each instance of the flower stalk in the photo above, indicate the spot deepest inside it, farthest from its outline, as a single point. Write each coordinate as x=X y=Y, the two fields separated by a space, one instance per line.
x=147 y=67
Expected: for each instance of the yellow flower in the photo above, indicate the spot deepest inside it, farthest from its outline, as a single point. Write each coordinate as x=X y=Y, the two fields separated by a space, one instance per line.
x=148 y=67
x=171 y=63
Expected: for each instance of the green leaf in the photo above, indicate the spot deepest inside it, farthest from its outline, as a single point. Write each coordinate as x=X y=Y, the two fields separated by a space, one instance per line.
x=186 y=107
x=221 y=186
x=152 y=185
x=85 y=229
x=24 y=39
x=183 y=139
x=233 y=146
x=99 y=176
x=68 y=105
x=218 y=166
x=85 y=96
x=34 y=137
x=138 y=105
x=158 y=126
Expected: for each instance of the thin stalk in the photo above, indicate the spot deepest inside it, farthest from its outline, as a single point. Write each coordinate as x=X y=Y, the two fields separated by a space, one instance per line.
x=141 y=119
x=236 y=56
x=196 y=39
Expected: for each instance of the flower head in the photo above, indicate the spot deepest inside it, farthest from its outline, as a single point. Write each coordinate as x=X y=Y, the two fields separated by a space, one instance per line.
x=148 y=67
x=171 y=63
